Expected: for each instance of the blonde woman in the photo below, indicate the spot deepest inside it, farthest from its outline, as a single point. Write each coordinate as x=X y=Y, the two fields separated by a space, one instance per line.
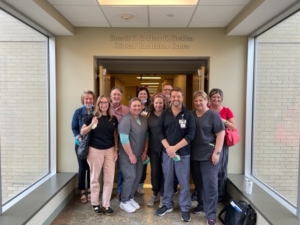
x=205 y=156
x=79 y=117
x=103 y=147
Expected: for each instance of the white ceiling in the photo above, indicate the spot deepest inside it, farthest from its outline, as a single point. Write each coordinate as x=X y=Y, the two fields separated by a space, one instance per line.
x=239 y=17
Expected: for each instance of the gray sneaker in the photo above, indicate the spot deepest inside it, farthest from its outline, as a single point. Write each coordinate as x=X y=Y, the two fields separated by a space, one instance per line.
x=152 y=200
x=185 y=216
x=163 y=210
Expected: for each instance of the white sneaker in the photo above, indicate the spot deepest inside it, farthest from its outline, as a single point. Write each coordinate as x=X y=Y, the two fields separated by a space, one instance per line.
x=152 y=200
x=161 y=201
x=134 y=204
x=126 y=206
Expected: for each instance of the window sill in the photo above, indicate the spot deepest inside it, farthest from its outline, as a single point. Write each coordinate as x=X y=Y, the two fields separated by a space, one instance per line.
x=30 y=205
x=270 y=209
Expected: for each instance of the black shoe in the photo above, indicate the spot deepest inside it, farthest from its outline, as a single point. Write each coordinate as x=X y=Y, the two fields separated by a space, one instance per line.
x=98 y=209
x=109 y=211
x=185 y=216
x=163 y=210
x=198 y=210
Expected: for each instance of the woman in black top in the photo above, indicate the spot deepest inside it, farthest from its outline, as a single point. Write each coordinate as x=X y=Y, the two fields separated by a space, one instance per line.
x=103 y=147
x=143 y=94
x=157 y=107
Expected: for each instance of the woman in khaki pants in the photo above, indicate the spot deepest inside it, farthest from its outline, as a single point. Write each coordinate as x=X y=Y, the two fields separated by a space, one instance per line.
x=103 y=148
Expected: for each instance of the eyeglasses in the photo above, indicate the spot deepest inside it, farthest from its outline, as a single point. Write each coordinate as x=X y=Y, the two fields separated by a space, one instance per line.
x=167 y=89
x=103 y=102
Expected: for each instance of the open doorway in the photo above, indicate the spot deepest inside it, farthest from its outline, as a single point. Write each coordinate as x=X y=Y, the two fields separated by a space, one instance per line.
x=129 y=74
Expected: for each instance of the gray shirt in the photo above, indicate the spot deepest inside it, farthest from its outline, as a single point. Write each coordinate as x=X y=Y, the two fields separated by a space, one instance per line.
x=137 y=133
x=207 y=126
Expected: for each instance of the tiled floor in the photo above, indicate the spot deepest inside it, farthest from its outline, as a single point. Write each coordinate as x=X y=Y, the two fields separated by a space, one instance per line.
x=83 y=214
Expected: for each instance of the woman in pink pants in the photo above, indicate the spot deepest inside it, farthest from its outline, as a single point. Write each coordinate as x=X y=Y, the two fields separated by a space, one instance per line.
x=103 y=148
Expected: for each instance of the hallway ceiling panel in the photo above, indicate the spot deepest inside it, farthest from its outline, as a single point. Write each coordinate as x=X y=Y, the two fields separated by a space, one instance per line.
x=225 y=14
x=178 y=16
x=239 y=17
x=84 y=14
x=139 y=16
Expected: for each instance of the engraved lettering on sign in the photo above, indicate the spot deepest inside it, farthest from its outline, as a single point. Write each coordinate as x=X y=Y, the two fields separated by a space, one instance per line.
x=151 y=41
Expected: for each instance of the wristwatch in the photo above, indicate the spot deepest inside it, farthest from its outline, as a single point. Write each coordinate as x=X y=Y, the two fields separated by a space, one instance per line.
x=218 y=153
x=226 y=121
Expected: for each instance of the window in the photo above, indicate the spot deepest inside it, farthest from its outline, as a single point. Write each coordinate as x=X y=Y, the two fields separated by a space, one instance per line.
x=276 y=109
x=24 y=106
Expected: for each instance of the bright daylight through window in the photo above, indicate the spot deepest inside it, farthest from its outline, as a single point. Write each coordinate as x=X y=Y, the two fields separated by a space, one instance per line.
x=23 y=106
x=276 y=126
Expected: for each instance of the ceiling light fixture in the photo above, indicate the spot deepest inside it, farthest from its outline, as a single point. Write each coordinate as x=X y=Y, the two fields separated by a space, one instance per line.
x=126 y=16
x=149 y=83
x=148 y=78
x=148 y=2
x=170 y=15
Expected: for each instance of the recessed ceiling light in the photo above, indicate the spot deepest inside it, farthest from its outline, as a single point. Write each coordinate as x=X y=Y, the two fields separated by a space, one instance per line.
x=148 y=78
x=149 y=83
x=170 y=15
x=126 y=16
x=147 y=2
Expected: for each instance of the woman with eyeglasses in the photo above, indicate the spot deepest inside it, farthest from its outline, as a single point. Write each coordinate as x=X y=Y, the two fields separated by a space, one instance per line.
x=79 y=117
x=102 y=153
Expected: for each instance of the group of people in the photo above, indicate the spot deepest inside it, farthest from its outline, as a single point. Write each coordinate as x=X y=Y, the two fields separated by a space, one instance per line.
x=178 y=142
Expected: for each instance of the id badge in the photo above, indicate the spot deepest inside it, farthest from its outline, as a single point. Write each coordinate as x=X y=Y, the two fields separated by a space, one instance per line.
x=182 y=124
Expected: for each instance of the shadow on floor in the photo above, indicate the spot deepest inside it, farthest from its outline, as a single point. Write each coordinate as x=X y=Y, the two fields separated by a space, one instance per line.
x=76 y=213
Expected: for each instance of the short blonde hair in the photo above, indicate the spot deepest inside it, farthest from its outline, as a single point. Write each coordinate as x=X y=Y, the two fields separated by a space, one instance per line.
x=88 y=92
x=201 y=94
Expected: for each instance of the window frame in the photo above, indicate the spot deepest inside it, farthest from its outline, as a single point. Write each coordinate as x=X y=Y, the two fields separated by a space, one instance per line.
x=51 y=101
x=250 y=111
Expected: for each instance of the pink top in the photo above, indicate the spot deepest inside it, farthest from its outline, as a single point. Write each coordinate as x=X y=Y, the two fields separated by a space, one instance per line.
x=226 y=113
x=120 y=111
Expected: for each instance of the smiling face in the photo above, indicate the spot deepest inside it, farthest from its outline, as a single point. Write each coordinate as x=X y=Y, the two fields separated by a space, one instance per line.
x=158 y=104
x=166 y=90
x=142 y=95
x=176 y=98
x=103 y=105
x=200 y=103
x=216 y=100
x=88 y=100
x=115 y=96
x=135 y=108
